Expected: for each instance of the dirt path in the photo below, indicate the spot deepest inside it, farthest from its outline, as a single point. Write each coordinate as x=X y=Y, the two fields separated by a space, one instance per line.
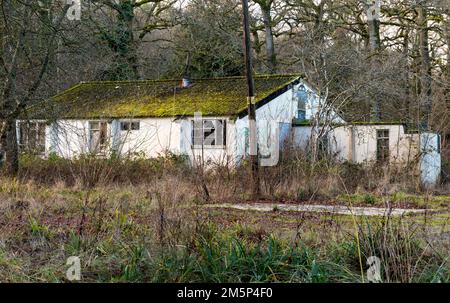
x=336 y=209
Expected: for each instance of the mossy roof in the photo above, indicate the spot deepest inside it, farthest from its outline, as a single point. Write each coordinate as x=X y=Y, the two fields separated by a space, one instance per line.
x=159 y=98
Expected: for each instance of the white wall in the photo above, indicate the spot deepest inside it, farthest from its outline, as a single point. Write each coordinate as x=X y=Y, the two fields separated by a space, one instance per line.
x=69 y=138
x=430 y=165
x=154 y=137
x=363 y=143
x=358 y=143
x=275 y=117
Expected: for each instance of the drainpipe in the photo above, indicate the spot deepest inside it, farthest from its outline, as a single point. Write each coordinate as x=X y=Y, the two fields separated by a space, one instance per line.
x=352 y=149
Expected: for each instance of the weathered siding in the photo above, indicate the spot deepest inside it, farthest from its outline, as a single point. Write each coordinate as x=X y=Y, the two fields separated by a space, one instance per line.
x=358 y=143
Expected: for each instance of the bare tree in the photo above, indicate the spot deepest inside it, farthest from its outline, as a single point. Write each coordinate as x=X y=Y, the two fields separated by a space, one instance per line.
x=123 y=32
x=25 y=60
x=425 y=67
x=266 y=6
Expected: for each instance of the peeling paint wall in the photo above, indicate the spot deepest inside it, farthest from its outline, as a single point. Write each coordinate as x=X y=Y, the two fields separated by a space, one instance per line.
x=358 y=144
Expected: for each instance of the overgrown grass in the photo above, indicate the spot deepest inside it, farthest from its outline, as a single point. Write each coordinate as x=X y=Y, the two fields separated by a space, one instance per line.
x=132 y=238
x=142 y=220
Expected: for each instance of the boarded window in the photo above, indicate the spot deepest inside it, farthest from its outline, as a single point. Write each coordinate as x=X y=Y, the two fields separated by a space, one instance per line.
x=127 y=126
x=98 y=136
x=383 y=145
x=32 y=137
x=209 y=132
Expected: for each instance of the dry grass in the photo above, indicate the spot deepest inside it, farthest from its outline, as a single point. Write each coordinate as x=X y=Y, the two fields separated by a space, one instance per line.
x=143 y=220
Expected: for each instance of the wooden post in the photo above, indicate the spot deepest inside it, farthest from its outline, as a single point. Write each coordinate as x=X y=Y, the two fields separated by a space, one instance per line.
x=251 y=103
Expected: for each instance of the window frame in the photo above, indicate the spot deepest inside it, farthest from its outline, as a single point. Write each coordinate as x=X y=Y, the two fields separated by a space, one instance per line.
x=130 y=126
x=194 y=136
x=301 y=117
x=38 y=131
x=382 y=147
x=102 y=147
x=301 y=107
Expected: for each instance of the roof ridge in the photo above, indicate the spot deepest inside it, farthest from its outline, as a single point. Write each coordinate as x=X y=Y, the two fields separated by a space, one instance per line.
x=63 y=92
x=257 y=76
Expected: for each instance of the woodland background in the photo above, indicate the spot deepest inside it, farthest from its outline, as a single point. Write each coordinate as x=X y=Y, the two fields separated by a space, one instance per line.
x=390 y=64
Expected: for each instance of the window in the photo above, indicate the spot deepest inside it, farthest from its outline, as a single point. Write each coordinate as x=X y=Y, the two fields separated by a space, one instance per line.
x=302 y=98
x=383 y=145
x=301 y=111
x=32 y=137
x=127 y=126
x=98 y=136
x=210 y=132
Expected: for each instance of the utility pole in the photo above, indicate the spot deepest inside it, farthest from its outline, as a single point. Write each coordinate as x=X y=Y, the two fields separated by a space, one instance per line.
x=251 y=103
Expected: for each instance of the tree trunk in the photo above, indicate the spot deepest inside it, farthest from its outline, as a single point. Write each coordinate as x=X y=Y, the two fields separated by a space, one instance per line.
x=425 y=68
x=132 y=57
x=121 y=41
x=447 y=39
x=373 y=24
x=406 y=75
x=46 y=29
x=9 y=144
x=270 y=46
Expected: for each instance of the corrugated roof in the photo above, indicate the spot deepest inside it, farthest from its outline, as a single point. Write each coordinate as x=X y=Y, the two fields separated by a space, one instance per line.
x=158 y=98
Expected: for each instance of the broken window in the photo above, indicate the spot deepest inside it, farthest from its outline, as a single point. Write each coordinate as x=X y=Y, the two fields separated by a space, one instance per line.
x=98 y=136
x=383 y=145
x=32 y=137
x=209 y=132
x=127 y=126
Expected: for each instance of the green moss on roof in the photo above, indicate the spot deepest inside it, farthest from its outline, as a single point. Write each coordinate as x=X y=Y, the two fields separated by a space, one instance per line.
x=157 y=98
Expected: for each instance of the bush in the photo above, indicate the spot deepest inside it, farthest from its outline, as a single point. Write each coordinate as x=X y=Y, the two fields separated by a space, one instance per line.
x=90 y=170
